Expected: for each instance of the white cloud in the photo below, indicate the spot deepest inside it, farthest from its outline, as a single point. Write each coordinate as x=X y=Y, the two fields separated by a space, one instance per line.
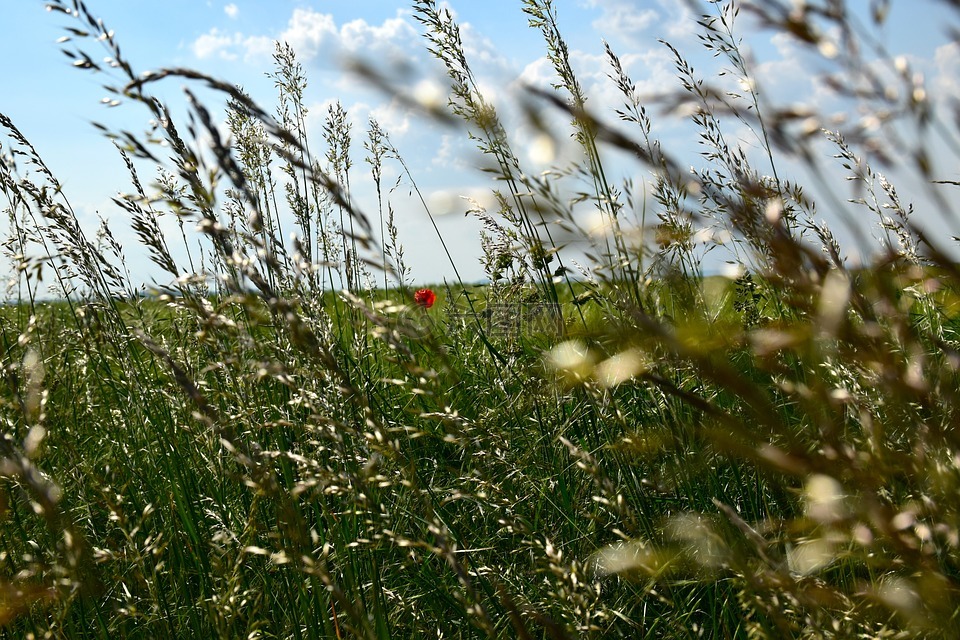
x=230 y=46
x=310 y=33
x=794 y=77
x=316 y=37
x=455 y=153
x=650 y=70
x=358 y=36
x=539 y=73
x=623 y=18
x=393 y=117
x=680 y=23
x=946 y=71
x=213 y=43
x=625 y=22
x=458 y=200
x=231 y=10
x=444 y=154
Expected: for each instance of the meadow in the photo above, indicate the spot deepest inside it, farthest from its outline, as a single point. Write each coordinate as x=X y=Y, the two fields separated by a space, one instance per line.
x=291 y=440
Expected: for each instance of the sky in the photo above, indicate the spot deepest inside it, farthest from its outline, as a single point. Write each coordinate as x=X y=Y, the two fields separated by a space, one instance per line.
x=55 y=104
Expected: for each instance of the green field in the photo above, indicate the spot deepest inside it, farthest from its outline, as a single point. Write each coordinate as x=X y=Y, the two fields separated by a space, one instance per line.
x=282 y=443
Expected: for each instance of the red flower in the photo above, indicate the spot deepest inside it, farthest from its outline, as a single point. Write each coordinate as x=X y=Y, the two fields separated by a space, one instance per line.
x=425 y=298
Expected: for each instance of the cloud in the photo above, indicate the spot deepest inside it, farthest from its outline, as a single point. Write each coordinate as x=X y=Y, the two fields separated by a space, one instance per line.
x=231 y=10
x=650 y=70
x=213 y=43
x=455 y=152
x=791 y=74
x=626 y=23
x=624 y=19
x=946 y=71
x=680 y=23
x=310 y=33
x=357 y=36
x=216 y=43
x=394 y=117
x=317 y=38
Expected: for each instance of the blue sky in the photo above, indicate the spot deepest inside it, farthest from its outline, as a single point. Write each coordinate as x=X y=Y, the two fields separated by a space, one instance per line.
x=53 y=104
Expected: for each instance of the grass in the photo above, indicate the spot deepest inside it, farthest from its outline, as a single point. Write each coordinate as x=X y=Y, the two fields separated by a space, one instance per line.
x=283 y=444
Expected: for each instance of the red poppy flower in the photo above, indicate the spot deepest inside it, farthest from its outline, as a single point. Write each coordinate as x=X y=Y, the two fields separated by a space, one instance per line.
x=425 y=298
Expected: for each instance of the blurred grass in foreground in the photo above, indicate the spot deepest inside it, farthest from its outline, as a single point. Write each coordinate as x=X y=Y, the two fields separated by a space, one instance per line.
x=645 y=453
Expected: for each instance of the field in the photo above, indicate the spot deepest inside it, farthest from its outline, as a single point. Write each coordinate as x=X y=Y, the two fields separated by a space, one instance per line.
x=292 y=440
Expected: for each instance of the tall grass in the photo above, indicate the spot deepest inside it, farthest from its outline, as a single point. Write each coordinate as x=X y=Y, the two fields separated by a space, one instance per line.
x=281 y=443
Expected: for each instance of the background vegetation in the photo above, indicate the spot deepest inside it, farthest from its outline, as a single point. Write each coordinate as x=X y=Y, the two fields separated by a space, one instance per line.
x=282 y=444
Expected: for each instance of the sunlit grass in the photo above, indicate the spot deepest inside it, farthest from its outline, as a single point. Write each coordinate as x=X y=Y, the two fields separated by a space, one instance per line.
x=290 y=440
